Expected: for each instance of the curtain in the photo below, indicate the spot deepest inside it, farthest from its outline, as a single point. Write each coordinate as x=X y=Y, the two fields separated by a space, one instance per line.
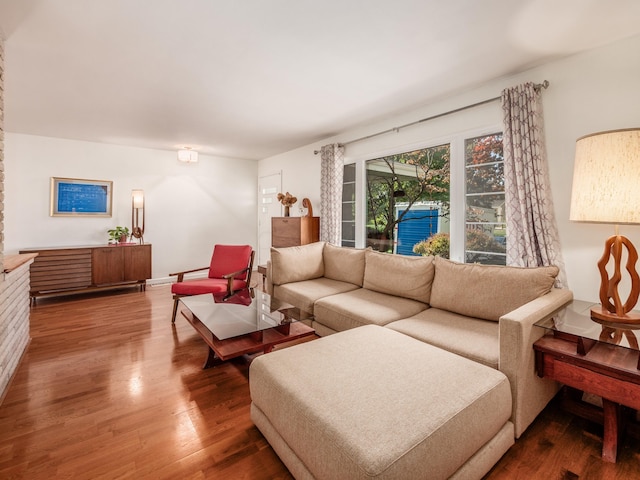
x=332 y=170
x=533 y=238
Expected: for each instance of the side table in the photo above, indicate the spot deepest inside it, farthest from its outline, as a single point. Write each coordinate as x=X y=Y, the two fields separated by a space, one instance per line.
x=595 y=359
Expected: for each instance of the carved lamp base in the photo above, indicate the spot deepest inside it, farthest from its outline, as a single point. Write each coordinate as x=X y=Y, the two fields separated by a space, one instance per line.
x=613 y=311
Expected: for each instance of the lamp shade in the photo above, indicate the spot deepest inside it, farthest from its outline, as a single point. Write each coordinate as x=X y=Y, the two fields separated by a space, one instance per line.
x=606 y=178
x=137 y=197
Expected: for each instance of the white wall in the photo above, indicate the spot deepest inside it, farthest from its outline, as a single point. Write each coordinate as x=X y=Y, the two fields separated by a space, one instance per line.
x=589 y=92
x=189 y=208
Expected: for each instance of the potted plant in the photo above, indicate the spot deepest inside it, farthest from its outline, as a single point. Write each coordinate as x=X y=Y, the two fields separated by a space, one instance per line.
x=118 y=234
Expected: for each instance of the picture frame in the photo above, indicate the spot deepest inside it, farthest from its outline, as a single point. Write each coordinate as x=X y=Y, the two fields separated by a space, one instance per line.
x=77 y=197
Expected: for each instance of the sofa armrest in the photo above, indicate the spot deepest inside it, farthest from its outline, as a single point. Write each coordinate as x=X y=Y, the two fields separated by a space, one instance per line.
x=517 y=360
x=268 y=286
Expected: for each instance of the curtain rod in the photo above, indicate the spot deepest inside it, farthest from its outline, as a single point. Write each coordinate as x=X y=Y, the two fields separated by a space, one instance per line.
x=538 y=87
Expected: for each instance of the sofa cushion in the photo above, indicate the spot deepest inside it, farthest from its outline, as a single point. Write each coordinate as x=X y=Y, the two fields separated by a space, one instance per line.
x=294 y=264
x=475 y=339
x=304 y=294
x=344 y=264
x=487 y=291
x=363 y=307
x=399 y=275
x=371 y=403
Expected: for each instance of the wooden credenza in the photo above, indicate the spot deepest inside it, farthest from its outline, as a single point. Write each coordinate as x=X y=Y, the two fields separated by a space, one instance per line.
x=68 y=270
x=294 y=231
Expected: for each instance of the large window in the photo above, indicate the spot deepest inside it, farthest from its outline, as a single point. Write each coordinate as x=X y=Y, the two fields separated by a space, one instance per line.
x=445 y=200
x=407 y=199
x=485 y=225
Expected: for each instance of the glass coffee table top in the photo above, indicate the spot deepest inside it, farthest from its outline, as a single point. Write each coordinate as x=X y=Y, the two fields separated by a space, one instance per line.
x=242 y=313
x=575 y=320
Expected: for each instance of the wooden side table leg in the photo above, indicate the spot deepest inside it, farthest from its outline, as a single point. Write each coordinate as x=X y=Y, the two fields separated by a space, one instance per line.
x=612 y=420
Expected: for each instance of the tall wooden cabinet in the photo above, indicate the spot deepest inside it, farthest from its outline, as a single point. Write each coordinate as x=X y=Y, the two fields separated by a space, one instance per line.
x=67 y=270
x=294 y=231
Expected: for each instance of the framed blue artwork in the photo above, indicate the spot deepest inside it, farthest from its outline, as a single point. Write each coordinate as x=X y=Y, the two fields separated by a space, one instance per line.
x=80 y=197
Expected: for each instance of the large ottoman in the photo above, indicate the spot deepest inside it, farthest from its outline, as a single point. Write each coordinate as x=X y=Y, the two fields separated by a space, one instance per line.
x=372 y=403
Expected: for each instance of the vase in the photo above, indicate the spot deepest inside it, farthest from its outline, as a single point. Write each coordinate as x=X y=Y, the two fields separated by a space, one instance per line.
x=286 y=210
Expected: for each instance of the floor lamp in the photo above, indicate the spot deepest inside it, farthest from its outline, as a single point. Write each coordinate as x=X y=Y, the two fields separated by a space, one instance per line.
x=606 y=190
x=137 y=205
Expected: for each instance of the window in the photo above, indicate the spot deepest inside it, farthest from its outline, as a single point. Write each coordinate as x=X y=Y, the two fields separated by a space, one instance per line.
x=446 y=200
x=485 y=227
x=407 y=199
x=349 y=206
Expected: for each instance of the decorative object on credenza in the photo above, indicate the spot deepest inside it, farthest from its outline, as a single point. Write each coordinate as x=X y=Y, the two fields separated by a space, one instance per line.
x=187 y=155
x=118 y=235
x=306 y=203
x=137 y=205
x=605 y=190
x=74 y=197
x=287 y=200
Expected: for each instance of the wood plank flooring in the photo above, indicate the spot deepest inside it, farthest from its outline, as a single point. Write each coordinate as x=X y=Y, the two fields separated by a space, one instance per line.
x=109 y=389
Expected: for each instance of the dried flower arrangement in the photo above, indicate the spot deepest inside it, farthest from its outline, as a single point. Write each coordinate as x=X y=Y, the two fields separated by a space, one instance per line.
x=287 y=200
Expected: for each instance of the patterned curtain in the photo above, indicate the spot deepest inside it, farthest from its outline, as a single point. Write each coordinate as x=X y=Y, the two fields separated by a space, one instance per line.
x=532 y=238
x=332 y=171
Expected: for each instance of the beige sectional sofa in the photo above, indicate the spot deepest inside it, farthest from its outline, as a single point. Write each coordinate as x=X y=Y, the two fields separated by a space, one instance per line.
x=430 y=373
x=484 y=313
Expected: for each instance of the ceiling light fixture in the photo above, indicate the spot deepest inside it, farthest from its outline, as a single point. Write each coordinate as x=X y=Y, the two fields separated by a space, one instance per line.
x=187 y=155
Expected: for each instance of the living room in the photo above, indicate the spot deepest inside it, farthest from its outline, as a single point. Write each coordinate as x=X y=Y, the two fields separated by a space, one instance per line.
x=590 y=91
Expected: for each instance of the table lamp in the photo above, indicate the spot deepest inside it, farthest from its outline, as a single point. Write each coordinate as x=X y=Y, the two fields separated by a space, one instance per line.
x=606 y=189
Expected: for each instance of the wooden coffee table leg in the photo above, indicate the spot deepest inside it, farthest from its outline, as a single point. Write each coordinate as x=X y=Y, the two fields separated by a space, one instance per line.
x=211 y=360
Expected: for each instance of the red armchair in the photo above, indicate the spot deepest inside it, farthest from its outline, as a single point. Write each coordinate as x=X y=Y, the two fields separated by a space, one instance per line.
x=229 y=270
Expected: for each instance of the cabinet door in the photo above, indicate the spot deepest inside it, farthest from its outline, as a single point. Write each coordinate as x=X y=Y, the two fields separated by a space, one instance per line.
x=137 y=262
x=107 y=265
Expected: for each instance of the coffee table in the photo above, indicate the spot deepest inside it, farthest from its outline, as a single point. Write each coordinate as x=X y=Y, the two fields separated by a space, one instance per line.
x=246 y=322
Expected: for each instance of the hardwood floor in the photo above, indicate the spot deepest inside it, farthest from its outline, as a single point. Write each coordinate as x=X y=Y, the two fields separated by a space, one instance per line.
x=110 y=389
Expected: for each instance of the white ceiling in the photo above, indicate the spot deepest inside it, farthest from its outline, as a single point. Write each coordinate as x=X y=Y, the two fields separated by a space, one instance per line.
x=253 y=78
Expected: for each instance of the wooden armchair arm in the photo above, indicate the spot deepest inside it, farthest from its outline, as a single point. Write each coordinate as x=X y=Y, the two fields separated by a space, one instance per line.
x=182 y=274
x=229 y=277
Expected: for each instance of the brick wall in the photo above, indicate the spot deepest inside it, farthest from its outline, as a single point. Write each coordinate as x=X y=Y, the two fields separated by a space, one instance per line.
x=14 y=285
x=1 y=150
x=14 y=322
